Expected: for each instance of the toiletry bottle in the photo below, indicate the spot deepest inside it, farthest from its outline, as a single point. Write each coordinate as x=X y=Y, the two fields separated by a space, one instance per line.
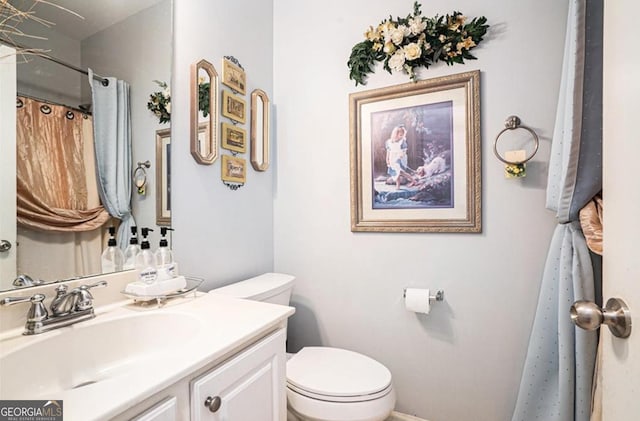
x=112 y=257
x=132 y=250
x=164 y=257
x=146 y=260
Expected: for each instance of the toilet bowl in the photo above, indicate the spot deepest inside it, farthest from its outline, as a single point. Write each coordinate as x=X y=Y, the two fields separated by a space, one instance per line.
x=332 y=384
x=323 y=383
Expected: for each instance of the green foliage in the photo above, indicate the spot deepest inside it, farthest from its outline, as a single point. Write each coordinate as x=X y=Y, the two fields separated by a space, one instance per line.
x=405 y=44
x=203 y=98
x=160 y=102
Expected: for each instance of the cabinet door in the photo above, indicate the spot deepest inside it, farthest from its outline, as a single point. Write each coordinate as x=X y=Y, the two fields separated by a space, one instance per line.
x=164 y=411
x=249 y=387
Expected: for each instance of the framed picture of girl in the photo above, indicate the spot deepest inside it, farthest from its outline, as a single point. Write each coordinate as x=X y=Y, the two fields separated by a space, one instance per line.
x=415 y=156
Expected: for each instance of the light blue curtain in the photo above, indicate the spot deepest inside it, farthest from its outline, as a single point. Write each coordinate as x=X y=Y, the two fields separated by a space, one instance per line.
x=112 y=138
x=558 y=373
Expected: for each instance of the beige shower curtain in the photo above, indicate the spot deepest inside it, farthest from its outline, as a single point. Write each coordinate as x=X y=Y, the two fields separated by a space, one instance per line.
x=59 y=213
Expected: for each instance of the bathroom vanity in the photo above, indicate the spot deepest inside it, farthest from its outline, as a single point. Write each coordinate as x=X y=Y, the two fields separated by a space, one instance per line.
x=206 y=357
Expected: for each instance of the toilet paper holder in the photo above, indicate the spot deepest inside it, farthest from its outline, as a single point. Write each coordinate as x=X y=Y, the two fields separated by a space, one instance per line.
x=439 y=295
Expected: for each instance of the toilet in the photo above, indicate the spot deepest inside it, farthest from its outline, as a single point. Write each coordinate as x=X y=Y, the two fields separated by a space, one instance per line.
x=323 y=383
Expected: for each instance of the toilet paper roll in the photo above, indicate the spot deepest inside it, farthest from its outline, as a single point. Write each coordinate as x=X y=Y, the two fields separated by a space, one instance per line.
x=417 y=300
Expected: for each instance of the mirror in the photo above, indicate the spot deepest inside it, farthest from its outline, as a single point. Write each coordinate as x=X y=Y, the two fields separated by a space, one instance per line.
x=131 y=41
x=259 y=130
x=204 y=112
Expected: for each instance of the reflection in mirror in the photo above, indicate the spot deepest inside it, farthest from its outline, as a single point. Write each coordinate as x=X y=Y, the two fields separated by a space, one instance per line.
x=163 y=177
x=204 y=112
x=109 y=40
x=259 y=130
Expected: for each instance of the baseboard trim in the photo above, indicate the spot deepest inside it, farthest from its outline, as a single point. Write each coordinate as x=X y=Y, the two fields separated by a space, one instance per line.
x=398 y=416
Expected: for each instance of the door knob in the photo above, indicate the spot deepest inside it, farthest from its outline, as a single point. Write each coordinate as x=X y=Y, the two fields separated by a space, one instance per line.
x=4 y=246
x=616 y=315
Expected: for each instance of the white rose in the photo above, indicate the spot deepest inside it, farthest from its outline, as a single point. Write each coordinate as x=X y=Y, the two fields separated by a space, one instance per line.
x=396 y=36
x=412 y=51
x=405 y=30
x=396 y=62
x=417 y=25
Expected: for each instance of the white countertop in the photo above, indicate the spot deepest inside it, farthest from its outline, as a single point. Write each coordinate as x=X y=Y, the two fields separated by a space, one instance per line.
x=220 y=327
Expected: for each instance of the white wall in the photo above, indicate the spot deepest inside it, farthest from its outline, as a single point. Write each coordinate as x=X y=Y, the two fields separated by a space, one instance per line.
x=221 y=235
x=463 y=362
x=137 y=50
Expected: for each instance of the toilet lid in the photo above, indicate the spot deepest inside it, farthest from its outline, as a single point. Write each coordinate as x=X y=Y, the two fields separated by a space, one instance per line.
x=336 y=372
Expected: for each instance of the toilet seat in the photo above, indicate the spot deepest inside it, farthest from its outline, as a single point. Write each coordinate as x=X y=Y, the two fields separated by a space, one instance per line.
x=330 y=398
x=337 y=375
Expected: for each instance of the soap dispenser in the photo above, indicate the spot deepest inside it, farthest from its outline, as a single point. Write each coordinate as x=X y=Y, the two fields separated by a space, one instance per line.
x=164 y=257
x=132 y=250
x=146 y=260
x=112 y=257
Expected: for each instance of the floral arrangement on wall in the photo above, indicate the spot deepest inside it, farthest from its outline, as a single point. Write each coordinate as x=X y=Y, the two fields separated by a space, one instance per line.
x=405 y=44
x=160 y=101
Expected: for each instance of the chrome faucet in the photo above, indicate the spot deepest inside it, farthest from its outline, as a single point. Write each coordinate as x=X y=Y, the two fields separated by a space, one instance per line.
x=66 y=308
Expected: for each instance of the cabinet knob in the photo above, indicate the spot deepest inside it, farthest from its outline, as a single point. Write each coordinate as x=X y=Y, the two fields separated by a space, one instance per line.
x=213 y=403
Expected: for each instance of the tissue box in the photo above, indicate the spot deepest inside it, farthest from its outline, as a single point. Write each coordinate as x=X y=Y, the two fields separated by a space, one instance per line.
x=156 y=289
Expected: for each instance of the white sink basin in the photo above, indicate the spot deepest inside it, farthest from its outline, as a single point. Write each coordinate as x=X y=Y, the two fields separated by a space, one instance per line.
x=89 y=352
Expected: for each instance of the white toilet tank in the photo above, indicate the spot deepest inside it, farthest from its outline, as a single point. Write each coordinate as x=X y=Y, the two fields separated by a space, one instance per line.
x=272 y=288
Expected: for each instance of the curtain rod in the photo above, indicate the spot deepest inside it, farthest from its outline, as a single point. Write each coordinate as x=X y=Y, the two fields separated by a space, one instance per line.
x=104 y=81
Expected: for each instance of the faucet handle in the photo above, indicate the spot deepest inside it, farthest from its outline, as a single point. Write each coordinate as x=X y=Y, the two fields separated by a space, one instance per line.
x=85 y=299
x=7 y=301
x=99 y=284
x=37 y=312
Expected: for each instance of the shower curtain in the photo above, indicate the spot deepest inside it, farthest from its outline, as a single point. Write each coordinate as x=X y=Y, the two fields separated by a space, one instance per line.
x=112 y=129
x=58 y=211
x=558 y=374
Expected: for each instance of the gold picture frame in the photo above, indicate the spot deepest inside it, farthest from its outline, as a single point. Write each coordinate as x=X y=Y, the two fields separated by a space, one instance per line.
x=415 y=156
x=234 y=107
x=204 y=94
x=234 y=169
x=234 y=138
x=234 y=76
x=163 y=177
x=260 y=131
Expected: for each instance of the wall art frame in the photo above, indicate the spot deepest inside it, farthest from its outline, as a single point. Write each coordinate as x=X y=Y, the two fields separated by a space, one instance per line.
x=234 y=76
x=163 y=177
x=234 y=107
x=234 y=169
x=234 y=138
x=415 y=156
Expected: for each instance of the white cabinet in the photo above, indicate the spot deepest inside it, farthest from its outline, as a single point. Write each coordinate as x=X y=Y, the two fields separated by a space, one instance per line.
x=249 y=386
x=163 y=411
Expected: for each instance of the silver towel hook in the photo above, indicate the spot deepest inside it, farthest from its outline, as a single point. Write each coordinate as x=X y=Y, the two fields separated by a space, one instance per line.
x=140 y=176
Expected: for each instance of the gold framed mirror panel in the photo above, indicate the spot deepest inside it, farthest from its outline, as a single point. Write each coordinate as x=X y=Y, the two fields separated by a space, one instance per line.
x=204 y=112
x=259 y=130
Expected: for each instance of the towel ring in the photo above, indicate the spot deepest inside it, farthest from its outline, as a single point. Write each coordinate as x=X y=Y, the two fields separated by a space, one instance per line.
x=513 y=123
x=140 y=175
